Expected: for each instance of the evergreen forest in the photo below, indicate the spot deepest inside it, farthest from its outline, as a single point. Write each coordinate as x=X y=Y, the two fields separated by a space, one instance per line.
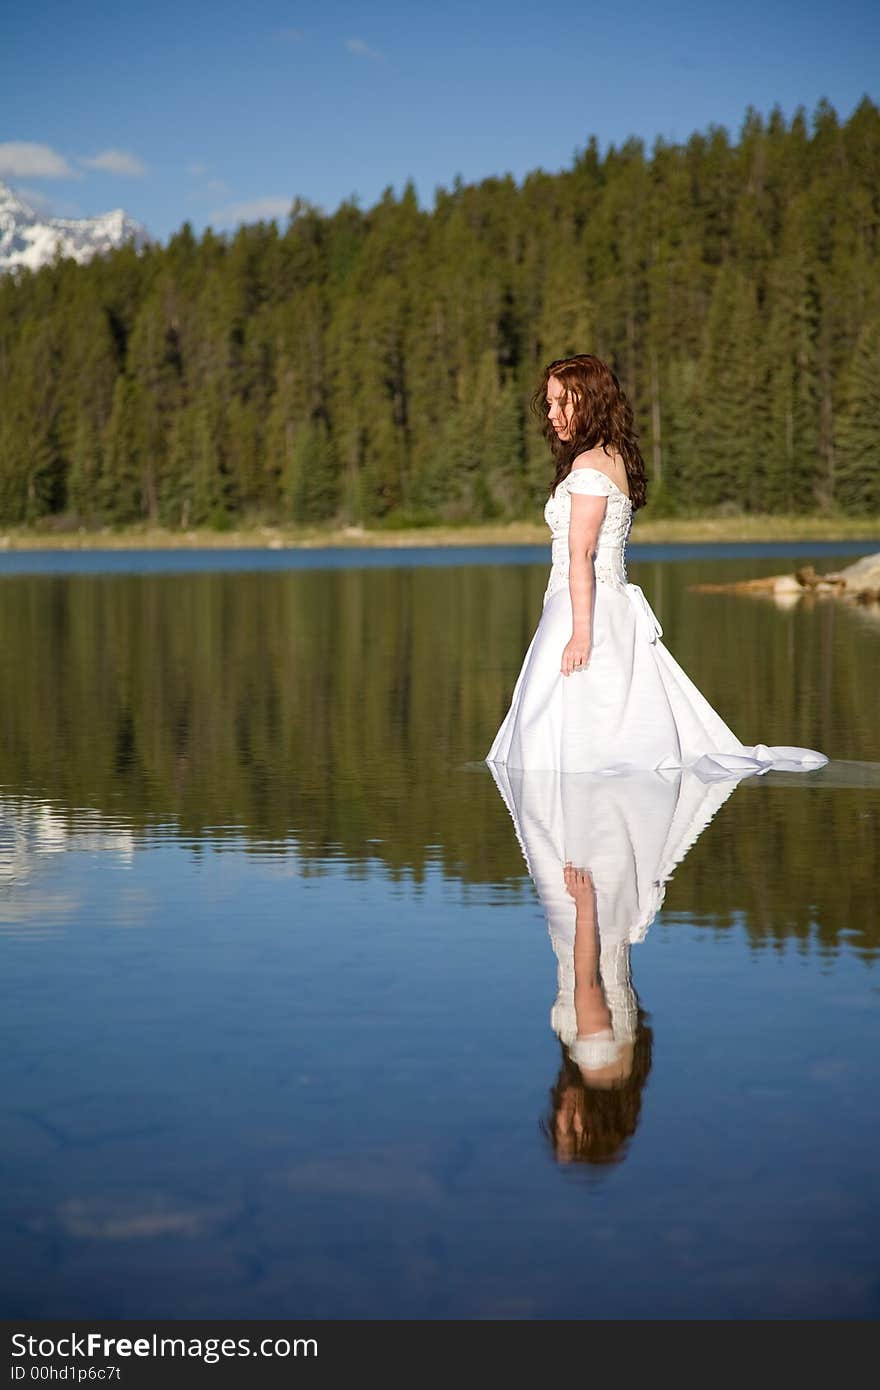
x=375 y=367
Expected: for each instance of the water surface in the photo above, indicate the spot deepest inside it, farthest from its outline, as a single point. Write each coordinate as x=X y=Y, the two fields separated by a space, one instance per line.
x=277 y=984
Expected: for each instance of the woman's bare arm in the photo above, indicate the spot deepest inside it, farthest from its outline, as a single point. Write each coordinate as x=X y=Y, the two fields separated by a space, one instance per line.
x=587 y=515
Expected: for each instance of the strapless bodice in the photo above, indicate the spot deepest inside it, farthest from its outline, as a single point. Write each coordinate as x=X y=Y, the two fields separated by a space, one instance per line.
x=610 y=561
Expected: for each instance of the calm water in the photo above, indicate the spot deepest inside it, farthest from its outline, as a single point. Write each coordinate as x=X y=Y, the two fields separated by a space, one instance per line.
x=277 y=984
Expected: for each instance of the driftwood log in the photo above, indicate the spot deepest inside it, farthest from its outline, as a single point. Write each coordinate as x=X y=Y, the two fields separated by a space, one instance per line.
x=857 y=583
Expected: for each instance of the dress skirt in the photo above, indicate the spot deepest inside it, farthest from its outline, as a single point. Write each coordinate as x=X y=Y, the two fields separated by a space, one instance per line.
x=632 y=707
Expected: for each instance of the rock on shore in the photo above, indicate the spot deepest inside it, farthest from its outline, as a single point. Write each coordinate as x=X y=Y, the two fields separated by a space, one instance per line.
x=857 y=583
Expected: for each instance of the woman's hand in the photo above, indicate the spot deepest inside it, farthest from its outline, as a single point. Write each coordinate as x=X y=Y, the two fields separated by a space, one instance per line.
x=578 y=882
x=576 y=655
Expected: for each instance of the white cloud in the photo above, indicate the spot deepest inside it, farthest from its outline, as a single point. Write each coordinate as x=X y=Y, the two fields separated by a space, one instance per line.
x=291 y=35
x=197 y=171
x=117 y=162
x=362 y=50
x=257 y=210
x=20 y=159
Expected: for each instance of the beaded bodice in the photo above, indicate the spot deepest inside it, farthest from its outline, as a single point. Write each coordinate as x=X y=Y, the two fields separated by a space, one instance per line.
x=610 y=563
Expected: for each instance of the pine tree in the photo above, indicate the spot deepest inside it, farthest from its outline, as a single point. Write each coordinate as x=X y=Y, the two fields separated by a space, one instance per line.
x=792 y=312
x=858 y=442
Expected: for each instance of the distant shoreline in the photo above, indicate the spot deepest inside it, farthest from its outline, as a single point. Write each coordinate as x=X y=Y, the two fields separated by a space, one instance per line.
x=663 y=530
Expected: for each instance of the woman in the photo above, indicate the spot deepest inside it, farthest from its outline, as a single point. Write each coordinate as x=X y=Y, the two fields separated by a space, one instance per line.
x=598 y=691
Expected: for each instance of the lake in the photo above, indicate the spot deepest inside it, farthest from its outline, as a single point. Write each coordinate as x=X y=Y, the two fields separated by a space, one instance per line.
x=282 y=1002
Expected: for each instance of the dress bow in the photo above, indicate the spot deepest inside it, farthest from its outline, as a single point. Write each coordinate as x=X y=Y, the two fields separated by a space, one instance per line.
x=645 y=614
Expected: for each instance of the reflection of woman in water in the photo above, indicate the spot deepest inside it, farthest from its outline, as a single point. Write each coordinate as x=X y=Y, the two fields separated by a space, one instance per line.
x=600 y=849
x=606 y=1040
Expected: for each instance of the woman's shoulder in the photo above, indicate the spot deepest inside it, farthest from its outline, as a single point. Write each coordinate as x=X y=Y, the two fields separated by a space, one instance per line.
x=595 y=461
x=594 y=469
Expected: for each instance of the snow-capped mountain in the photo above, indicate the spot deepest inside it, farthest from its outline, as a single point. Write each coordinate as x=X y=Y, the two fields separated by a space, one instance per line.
x=29 y=239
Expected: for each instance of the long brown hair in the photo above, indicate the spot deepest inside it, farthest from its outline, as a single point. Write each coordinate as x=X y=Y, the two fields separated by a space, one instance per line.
x=608 y=1116
x=602 y=418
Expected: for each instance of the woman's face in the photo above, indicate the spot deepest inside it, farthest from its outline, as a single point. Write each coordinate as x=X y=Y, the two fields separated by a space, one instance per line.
x=560 y=409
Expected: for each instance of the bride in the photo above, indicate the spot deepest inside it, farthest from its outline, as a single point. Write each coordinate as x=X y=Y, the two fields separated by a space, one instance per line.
x=598 y=690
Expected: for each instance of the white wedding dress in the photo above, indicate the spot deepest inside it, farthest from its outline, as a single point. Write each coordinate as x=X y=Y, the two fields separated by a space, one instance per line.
x=630 y=833
x=632 y=706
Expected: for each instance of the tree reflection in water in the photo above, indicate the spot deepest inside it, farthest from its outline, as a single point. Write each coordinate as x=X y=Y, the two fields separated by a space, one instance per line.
x=332 y=714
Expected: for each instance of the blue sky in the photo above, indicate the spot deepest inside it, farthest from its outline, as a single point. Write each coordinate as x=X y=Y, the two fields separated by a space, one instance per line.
x=216 y=113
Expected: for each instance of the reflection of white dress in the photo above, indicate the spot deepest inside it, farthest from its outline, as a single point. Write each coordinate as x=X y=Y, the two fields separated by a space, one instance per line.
x=630 y=832
x=632 y=706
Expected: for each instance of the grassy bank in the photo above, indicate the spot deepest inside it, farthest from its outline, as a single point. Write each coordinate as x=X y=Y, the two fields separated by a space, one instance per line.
x=647 y=531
